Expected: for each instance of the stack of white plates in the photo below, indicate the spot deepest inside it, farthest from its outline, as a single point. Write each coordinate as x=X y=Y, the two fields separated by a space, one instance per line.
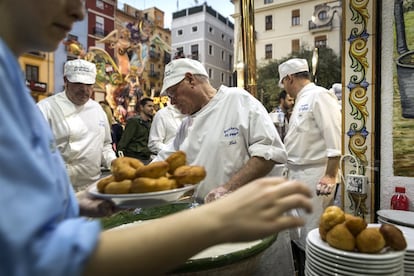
x=404 y=220
x=322 y=259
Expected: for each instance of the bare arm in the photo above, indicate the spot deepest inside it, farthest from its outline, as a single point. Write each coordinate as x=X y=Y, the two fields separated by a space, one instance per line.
x=328 y=182
x=254 y=211
x=255 y=167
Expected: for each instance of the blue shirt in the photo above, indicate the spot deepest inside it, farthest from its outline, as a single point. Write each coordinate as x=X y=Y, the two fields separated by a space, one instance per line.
x=40 y=231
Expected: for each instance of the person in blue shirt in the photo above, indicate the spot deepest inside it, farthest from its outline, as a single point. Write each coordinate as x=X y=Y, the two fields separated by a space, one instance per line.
x=41 y=228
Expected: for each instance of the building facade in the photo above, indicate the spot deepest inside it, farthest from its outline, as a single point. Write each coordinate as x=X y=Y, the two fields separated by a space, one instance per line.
x=201 y=33
x=283 y=27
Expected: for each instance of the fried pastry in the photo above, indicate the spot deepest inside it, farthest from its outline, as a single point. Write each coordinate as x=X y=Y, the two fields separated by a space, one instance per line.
x=118 y=187
x=147 y=185
x=175 y=160
x=393 y=236
x=100 y=186
x=355 y=224
x=153 y=170
x=125 y=168
x=370 y=240
x=332 y=216
x=322 y=232
x=189 y=175
x=341 y=238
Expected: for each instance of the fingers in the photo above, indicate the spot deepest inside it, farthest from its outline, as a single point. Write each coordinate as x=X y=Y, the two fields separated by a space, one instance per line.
x=215 y=194
x=324 y=188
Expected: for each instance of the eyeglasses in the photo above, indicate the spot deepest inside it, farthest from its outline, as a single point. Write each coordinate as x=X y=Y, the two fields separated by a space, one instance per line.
x=173 y=90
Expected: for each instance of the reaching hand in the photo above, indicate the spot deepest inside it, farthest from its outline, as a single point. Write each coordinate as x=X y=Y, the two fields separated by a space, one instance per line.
x=260 y=208
x=94 y=207
x=216 y=194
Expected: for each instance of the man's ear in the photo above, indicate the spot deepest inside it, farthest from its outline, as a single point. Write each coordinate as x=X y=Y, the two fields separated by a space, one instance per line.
x=190 y=77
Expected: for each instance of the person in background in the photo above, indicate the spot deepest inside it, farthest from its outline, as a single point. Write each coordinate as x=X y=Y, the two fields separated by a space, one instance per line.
x=41 y=231
x=134 y=139
x=164 y=127
x=281 y=114
x=80 y=125
x=313 y=141
x=337 y=90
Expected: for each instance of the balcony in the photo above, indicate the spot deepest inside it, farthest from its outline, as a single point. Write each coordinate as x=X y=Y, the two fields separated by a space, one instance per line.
x=313 y=28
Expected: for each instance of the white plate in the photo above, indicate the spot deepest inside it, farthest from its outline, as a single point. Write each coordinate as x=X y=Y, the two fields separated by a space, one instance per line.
x=143 y=199
x=330 y=268
x=405 y=218
x=338 y=266
x=335 y=259
x=314 y=238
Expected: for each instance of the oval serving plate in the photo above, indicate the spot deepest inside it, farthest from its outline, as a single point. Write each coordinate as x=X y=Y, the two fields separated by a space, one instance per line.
x=134 y=200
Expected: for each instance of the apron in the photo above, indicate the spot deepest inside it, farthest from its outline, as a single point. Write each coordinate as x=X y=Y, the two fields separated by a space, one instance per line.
x=309 y=174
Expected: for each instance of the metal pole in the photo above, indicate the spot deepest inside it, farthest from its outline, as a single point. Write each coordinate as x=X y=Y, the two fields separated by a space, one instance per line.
x=249 y=45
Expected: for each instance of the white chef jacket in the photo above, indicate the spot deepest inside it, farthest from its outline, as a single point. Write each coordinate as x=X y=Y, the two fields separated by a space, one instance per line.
x=164 y=127
x=314 y=135
x=314 y=127
x=82 y=136
x=222 y=136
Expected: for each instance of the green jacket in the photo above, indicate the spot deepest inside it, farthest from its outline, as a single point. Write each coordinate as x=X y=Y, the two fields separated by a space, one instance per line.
x=134 y=140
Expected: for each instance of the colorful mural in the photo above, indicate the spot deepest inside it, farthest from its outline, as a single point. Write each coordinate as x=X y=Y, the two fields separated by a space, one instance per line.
x=121 y=76
x=403 y=113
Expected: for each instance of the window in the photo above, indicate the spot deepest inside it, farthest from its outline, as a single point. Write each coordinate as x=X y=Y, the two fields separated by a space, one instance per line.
x=295 y=45
x=268 y=2
x=223 y=37
x=295 y=17
x=323 y=15
x=194 y=51
x=268 y=51
x=100 y=4
x=223 y=55
x=32 y=72
x=268 y=22
x=100 y=26
x=210 y=29
x=180 y=52
x=194 y=29
x=320 y=41
x=222 y=77
x=210 y=73
x=210 y=50
x=180 y=32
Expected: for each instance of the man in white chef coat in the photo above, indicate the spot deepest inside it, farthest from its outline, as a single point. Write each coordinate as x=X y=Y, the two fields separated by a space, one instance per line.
x=226 y=130
x=80 y=125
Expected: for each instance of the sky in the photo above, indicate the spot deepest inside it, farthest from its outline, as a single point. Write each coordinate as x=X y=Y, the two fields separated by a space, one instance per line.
x=224 y=7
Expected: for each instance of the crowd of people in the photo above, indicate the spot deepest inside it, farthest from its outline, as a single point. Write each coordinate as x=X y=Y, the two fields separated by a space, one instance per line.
x=54 y=150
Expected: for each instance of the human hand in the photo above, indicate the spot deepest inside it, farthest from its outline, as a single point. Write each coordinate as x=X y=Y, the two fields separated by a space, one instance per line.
x=216 y=194
x=94 y=207
x=326 y=185
x=260 y=208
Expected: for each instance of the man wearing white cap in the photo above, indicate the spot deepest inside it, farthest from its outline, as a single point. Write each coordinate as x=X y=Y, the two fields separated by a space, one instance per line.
x=80 y=125
x=227 y=131
x=313 y=141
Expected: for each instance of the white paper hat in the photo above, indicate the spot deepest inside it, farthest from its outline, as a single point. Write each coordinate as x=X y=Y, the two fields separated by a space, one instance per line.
x=80 y=71
x=292 y=66
x=175 y=72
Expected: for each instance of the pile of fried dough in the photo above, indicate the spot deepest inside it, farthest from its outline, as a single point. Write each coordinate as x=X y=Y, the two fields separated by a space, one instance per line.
x=129 y=175
x=348 y=232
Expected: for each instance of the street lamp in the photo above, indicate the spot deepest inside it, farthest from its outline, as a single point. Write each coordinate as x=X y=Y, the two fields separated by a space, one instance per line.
x=315 y=58
x=322 y=16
